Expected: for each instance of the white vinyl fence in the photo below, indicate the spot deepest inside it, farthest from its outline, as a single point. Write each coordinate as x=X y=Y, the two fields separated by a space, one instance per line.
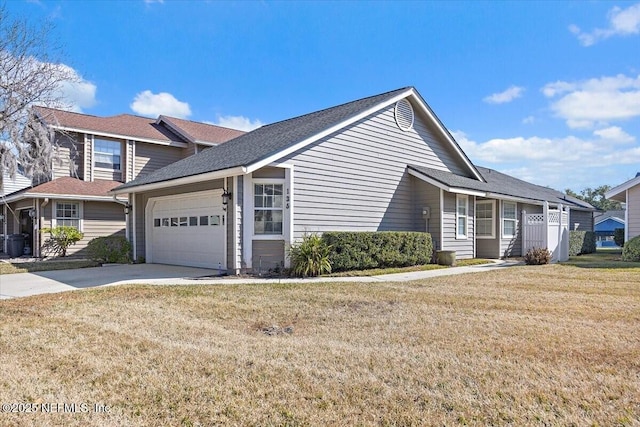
x=549 y=229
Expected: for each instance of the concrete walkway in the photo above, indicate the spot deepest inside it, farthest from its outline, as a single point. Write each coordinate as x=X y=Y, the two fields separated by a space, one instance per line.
x=26 y=284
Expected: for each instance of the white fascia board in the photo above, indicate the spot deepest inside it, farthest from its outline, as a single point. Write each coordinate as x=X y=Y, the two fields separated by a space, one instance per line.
x=119 y=136
x=60 y=196
x=225 y=173
x=445 y=133
x=466 y=192
x=518 y=199
x=616 y=219
x=621 y=190
x=295 y=147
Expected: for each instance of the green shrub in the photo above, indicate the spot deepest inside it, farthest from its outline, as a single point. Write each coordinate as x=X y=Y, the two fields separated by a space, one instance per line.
x=310 y=257
x=618 y=236
x=631 y=250
x=582 y=242
x=383 y=249
x=60 y=238
x=537 y=256
x=110 y=249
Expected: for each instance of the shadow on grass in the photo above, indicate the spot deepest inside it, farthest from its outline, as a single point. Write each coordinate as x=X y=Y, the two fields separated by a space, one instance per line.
x=606 y=259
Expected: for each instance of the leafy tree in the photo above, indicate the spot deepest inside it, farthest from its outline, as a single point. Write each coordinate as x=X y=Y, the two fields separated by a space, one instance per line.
x=29 y=76
x=595 y=196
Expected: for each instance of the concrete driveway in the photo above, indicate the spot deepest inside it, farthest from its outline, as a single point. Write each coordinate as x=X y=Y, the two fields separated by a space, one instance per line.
x=45 y=282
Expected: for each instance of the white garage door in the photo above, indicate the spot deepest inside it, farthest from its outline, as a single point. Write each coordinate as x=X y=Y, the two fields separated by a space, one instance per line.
x=189 y=230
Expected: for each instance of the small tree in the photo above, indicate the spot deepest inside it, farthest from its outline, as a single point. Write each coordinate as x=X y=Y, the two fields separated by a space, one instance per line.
x=60 y=238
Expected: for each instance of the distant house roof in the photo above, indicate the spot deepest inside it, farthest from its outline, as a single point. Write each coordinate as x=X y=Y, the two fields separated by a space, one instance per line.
x=498 y=184
x=270 y=142
x=122 y=126
x=603 y=216
x=68 y=188
x=200 y=133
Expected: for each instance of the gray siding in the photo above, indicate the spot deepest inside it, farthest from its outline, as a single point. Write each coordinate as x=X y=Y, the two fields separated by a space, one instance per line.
x=142 y=199
x=70 y=157
x=426 y=195
x=633 y=212
x=464 y=247
x=269 y=173
x=150 y=157
x=584 y=219
x=267 y=254
x=10 y=185
x=356 y=179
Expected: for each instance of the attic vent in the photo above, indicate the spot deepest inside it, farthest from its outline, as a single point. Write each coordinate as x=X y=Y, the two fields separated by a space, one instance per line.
x=404 y=114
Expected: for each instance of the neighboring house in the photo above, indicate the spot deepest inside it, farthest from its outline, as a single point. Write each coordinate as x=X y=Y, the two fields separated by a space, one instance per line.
x=629 y=193
x=605 y=225
x=380 y=163
x=98 y=154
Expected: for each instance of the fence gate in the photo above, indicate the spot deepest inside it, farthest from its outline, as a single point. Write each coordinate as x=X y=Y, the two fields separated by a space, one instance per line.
x=552 y=234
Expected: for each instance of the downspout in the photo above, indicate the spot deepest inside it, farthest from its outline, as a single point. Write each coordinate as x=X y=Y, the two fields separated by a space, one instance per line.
x=40 y=216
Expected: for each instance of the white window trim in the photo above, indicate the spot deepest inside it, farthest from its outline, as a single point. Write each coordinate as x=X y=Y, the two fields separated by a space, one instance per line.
x=54 y=219
x=466 y=216
x=493 y=219
x=514 y=220
x=93 y=154
x=278 y=181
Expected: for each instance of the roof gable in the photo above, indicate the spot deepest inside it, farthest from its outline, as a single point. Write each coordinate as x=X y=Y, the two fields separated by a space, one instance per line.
x=199 y=133
x=270 y=143
x=619 y=193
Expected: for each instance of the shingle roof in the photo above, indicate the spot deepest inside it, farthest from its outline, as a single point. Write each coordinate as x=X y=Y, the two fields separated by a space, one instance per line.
x=263 y=142
x=125 y=125
x=68 y=185
x=201 y=132
x=499 y=183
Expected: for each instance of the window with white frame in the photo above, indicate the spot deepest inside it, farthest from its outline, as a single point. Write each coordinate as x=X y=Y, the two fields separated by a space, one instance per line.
x=509 y=219
x=107 y=154
x=462 y=209
x=67 y=214
x=268 y=208
x=485 y=219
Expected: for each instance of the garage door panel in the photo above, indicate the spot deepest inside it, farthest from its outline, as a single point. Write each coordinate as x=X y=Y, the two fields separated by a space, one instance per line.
x=189 y=231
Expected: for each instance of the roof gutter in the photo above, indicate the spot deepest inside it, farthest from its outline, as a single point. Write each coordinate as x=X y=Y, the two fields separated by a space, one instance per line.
x=193 y=179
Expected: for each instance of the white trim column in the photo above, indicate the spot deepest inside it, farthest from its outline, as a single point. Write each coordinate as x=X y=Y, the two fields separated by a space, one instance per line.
x=247 y=220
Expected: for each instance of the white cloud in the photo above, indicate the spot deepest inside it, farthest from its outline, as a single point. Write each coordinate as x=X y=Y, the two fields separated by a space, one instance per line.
x=584 y=104
x=149 y=104
x=615 y=134
x=558 y=162
x=528 y=120
x=239 y=122
x=78 y=93
x=622 y=22
x=508 y=95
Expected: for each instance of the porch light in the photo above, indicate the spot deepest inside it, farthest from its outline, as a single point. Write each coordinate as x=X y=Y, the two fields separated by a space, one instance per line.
x=226 y=196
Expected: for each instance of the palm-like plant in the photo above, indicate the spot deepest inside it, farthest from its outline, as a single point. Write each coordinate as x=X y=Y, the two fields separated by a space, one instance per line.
x=310 y=257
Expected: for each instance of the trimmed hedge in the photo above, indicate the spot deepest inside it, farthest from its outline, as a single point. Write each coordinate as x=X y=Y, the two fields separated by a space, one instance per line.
x=631 y=250
x=381 y=249
x=582 y=242
x=618 y=236
x=110 y=249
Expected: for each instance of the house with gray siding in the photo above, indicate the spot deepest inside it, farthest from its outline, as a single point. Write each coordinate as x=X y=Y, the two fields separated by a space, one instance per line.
x=628 y=193
x=97 y=154
x=382 y=163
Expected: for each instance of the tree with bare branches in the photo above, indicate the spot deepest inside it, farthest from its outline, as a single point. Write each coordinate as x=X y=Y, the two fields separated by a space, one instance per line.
x=30 y=75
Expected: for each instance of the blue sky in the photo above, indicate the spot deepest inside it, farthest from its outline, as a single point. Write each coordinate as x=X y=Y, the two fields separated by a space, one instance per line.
x=545 y=91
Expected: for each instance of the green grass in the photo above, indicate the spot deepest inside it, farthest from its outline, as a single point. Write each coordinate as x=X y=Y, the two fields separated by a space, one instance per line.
x=602 y=258
x=30 y=267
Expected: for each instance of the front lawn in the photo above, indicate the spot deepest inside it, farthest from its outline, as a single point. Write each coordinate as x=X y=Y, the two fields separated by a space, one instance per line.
x=546 y=345
x=31 y=267
x=602 y=258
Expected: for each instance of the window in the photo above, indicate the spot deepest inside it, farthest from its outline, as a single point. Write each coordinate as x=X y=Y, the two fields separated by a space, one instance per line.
x=268 y=212
x=68 y=214
x=485 y=224
x=462 y=207
x=107 y=154
x=508 y=219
